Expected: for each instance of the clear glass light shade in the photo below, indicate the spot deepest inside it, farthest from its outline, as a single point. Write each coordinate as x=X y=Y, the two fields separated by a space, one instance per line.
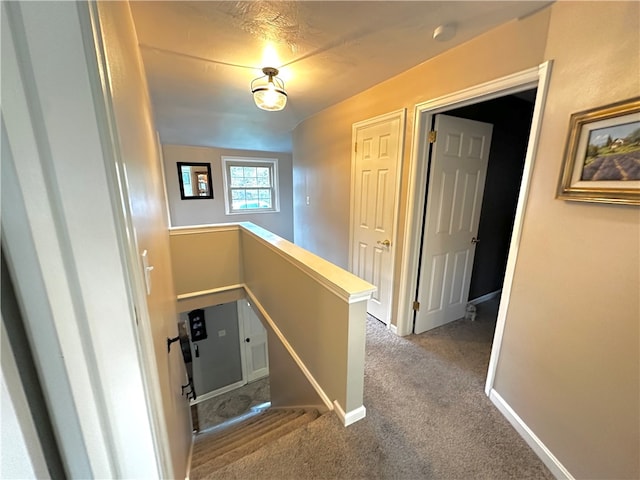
x=268 y=91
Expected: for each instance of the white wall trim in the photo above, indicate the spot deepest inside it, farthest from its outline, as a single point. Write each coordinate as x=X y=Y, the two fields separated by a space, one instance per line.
x=544 y=73
x=214 y=227
x=188 y=472
x=263 y=313
x=215 y=393
x=393 y=328
x=350 y=417
x=418 y=166
x=540 y=449
x=242 y=305
x=212 y=291
x=401 y=115
x=486 y=297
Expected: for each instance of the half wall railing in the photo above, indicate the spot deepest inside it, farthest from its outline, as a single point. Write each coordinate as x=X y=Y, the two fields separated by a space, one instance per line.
x=314 y=311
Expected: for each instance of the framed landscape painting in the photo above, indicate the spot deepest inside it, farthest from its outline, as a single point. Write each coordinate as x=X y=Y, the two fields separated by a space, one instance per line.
x=602 y=157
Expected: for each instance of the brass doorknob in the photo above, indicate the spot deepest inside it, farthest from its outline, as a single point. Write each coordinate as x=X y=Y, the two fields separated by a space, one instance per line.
x=385 y=243
x=475 y=240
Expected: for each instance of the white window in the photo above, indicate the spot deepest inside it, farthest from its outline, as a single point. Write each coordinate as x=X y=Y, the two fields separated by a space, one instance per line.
x=250 y=185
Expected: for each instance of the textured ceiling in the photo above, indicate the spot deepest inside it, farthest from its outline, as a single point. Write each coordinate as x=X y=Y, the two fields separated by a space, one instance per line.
x=200 y=58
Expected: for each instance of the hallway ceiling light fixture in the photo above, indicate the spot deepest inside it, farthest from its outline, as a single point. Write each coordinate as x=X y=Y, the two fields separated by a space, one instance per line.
x=268 y=91
x=444 y=33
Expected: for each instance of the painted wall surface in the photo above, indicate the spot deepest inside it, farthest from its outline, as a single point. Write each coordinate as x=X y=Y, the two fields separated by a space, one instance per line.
x=206 y=212
x=287 y=384
x=200 y=263
x=217 y=363
x=511 y=120
x=139 y=153
x=322 y=144
x=569 y=363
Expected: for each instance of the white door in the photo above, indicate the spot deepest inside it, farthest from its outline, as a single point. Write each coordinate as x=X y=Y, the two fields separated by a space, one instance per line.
x=254 y=339
x=375 y=173
x=458 y=170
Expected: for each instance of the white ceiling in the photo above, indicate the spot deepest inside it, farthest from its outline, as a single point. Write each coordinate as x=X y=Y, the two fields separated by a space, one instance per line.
x=200 y=58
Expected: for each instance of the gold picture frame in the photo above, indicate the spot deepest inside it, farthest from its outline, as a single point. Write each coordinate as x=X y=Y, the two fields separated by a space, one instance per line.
x=602 y=156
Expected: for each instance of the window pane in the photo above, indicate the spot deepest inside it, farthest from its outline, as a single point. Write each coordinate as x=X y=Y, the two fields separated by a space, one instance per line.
x=236 y=172
x=237 y=176
x=265 y=198
x=237 y=194
x=243 y=176
x=264 y=177
x=250 y=182
x=252 y=194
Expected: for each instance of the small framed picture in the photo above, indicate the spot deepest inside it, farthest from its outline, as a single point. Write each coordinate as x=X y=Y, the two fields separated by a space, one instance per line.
x=602 y=156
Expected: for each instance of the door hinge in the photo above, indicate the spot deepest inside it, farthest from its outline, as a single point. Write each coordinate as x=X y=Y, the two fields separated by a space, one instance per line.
x=416 y=306
x=355 y=147
x=432 y=136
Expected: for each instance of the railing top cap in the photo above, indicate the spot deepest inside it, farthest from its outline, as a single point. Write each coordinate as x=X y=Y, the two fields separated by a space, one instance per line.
x=348 y=285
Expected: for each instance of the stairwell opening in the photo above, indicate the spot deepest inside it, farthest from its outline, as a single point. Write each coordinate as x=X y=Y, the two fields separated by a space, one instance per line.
x=228 y=365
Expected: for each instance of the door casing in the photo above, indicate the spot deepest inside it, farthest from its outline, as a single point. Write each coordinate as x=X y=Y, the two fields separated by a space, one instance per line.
x=536 y=77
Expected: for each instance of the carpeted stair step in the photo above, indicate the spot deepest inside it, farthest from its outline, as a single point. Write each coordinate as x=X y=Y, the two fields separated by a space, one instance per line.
x=211 y=443
x=216 y=449
x=208 y=447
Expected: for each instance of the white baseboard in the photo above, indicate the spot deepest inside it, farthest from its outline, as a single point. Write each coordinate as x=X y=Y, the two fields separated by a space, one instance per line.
x=351 y=417
x=486 y=297
x=393 y=328
x=188 y=472
x=540 y=449
x=215 y=393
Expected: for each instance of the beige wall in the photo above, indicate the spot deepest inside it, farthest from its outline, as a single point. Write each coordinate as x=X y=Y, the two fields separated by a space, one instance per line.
x=139 y=154
x=569 y=364
x=287 y=384
x=322 y=143
x=209 y=211
x=206 y=261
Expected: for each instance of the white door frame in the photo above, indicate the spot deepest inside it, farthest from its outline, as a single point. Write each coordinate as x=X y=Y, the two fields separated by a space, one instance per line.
x=244 y=317
x=400 y=115
x=537 y=77
x=78 y=359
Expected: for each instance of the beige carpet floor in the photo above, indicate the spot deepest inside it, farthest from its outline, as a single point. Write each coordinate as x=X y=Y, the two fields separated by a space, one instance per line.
x=427 y=418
